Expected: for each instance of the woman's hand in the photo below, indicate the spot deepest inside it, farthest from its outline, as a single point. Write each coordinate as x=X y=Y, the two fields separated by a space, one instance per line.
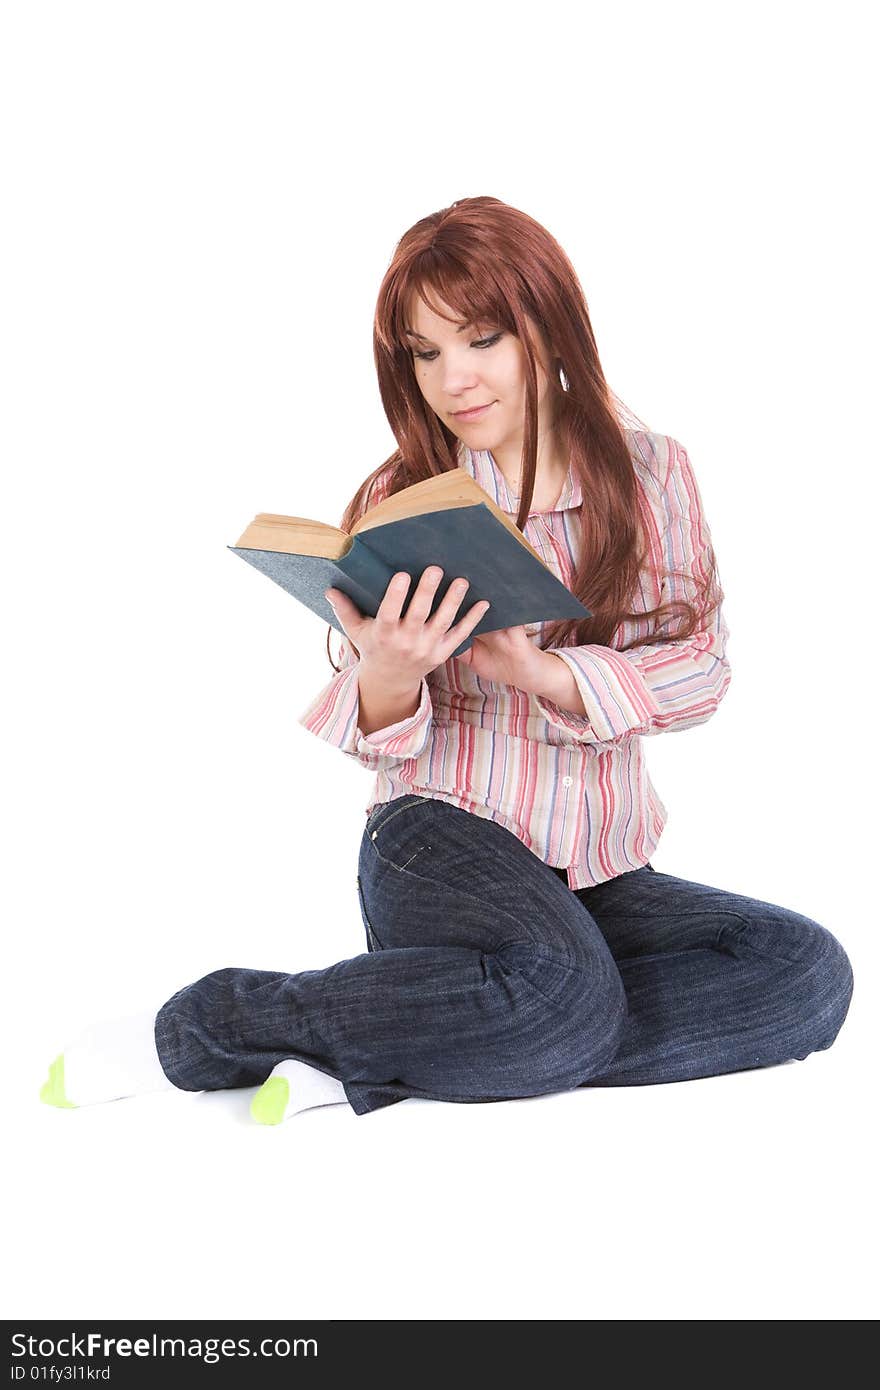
x=399 y=651
x=507 y=657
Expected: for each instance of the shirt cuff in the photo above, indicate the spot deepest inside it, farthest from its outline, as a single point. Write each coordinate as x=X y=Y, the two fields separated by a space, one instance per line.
x=405 y=739
x=615 y=696
x=332 y=716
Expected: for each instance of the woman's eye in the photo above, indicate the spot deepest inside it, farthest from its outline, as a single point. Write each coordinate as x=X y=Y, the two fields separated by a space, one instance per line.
x=482 y=345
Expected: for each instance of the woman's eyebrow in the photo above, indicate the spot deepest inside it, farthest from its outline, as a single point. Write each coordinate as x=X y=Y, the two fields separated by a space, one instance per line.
x=412 y=333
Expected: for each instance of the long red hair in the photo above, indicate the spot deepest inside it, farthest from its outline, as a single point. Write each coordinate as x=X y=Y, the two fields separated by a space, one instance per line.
x=493 y=264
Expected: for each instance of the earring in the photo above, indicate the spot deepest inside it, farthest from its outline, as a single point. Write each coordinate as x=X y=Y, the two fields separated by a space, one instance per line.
x=563 y=379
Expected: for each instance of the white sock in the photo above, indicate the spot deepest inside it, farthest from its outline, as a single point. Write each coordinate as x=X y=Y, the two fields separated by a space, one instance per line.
x=117 y=1057
x=293 y=1086
x=106 y=1061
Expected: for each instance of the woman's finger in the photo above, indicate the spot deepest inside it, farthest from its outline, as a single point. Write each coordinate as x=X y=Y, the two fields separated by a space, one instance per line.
x=341 y=605
x=338 y=601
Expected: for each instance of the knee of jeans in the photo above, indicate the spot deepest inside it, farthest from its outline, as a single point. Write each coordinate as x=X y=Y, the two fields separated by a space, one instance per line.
x=216 y=982
x=831 y=980
x=574 y=1025
x=781 y=934
x=822 y=972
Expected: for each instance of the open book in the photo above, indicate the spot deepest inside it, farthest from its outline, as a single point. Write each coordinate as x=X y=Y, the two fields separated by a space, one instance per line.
x=447 y=520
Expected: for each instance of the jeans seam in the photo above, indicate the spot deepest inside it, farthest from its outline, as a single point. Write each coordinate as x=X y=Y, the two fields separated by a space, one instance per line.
x=394 y=813
x=374 y=834
x=566 y=965
x=401 y=868
x=372 y=939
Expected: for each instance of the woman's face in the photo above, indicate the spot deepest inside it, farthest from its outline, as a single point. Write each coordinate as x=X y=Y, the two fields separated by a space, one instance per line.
x=477 y=365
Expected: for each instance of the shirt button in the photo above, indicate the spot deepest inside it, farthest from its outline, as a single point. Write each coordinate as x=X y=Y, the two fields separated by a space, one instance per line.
x=567 y=781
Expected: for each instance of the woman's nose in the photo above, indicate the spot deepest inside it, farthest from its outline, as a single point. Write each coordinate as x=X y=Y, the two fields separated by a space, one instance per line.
x=458 y=382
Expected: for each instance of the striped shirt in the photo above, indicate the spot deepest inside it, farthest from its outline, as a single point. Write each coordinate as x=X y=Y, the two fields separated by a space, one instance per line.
x=573 y=787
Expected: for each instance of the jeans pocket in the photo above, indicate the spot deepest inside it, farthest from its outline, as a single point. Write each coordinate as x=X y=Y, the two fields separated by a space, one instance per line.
x=387 y=810
x=398 y=837
x=373 y=942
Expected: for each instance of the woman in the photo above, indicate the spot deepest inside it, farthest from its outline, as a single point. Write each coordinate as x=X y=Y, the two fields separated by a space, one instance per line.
x=519 y=940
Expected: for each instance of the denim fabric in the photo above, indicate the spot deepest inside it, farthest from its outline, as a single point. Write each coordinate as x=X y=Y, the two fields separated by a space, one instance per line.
x=487 y=978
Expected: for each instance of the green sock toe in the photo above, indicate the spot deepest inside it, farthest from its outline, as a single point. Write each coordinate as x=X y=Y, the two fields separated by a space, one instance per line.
x=270 y=1102
x=52 y=1091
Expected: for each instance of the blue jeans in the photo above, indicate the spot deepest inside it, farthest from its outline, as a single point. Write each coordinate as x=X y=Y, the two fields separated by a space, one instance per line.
x=487 y=978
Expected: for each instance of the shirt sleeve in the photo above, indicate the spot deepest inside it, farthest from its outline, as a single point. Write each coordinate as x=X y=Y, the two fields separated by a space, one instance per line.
x=333 y=713
x=659 y=687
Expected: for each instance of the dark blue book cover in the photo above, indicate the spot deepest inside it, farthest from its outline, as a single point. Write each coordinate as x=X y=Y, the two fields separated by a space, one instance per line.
x=469 y=542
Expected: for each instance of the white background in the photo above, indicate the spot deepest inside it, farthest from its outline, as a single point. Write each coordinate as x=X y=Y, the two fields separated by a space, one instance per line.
x=200 y=203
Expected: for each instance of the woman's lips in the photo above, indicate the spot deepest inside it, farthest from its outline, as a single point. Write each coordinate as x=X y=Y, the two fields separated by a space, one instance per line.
x=473 y=414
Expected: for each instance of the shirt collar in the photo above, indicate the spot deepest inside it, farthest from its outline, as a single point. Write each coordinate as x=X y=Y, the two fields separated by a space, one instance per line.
x=483 y=468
